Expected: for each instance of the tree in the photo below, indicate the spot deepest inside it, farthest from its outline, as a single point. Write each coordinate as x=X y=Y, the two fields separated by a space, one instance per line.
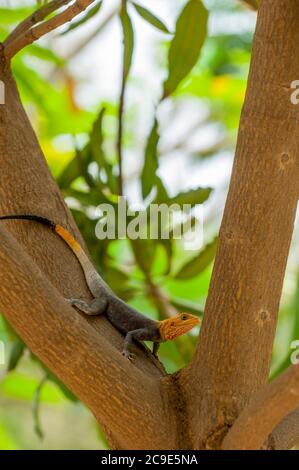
x=222 y=398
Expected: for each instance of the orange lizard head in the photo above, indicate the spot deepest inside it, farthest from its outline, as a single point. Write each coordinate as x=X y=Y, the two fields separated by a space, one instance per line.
x=177 y=325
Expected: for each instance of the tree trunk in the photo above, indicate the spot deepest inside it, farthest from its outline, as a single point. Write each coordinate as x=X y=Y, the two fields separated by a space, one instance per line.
x=54 y=335
x=196 y=407
x=234 y=350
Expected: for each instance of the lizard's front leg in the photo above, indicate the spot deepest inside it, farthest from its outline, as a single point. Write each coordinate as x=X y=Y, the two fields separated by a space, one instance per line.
x=142 y=334
x=97 y=306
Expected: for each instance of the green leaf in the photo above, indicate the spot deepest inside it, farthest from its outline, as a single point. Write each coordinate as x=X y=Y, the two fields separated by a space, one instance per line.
x=14 y=15
x=67 y=393
x=162 y=194
x=191 y=31
x=36 y=408
x=199 y=263
x=286 y=362
x=128 y=37
x=16 y=353
x=11 y=334
x=97 y=151
x=115 y=277
x=49 y=375
x=144 y=251
x=166 y=243
x=93 y=151
x=69 y=174
x=150 y=161
x=36 y=89
x=151 y=18
x=192 y=197
x=96 y=139
x=90 y=14
x=126 y=293
x=93 y=197
x=187 y=306
x=83 y=163
x=44 y=54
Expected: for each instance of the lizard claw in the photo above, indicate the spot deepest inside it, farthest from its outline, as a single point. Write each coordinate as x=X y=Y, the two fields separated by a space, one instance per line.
x=128 y=355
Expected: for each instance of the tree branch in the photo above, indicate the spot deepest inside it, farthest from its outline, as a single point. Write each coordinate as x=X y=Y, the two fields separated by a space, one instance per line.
x=116 y=391
x=35 y=18
x=265 y=411
x=29 y=298
x=31 y=35
x=236 y=339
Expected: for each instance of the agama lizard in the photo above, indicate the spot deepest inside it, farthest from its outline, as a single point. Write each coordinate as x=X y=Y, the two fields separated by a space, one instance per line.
x=127 y=320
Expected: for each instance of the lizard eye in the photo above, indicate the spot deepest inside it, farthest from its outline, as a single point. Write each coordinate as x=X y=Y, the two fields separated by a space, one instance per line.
x=184 y=317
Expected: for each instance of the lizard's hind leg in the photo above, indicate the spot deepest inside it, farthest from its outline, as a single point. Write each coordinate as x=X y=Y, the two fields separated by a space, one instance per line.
x=95 y=307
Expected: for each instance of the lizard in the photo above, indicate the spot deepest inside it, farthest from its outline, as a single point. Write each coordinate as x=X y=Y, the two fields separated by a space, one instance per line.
x=128 y=321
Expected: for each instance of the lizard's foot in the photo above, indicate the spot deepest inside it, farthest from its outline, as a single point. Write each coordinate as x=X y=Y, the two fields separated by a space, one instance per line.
x=128 y=355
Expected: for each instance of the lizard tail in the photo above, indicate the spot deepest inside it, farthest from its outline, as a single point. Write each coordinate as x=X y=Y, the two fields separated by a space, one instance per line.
x=93 y=279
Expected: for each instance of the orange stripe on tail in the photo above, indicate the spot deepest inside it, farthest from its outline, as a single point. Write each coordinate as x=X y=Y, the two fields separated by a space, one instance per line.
x=68 y=238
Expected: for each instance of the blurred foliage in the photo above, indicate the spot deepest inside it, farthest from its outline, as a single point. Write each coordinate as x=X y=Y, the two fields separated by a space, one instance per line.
x=208 y=69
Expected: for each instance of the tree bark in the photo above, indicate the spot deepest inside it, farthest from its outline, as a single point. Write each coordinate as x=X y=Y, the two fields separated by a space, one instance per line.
x=27 y=187
x=196 y=407
x=264 y=412
x=233 y=355
x=123 y=397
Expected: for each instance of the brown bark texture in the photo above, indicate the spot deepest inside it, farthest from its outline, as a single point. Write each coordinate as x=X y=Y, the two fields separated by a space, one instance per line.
x=266 y=410
x=27 y=187
x=234 y=350
x=138 y=405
